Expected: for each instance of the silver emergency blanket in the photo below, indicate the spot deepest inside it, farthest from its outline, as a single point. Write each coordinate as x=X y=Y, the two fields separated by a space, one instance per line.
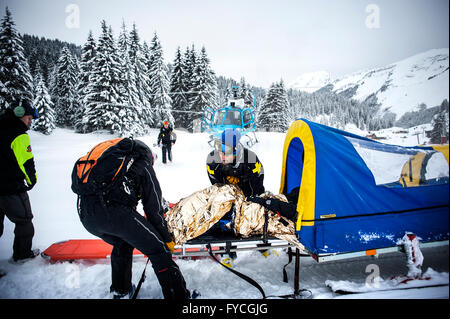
x=194 y=215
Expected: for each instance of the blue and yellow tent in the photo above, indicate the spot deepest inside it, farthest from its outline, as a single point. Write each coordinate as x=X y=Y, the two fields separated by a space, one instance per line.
x=358 y=194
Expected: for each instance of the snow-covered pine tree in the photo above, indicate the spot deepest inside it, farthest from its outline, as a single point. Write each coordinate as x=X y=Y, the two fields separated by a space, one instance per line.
x=245 y=92
x=63 y=92
x=51 y=80
x=224 y=86
x=36 y=74
x=131 y=125
x=159 y=83
x=44 y=106
x=265 y=113
x=440 y=124
x=86 y=66
x=260 y=96
x=138 y=57
x=103 y=100
x=178 y=89
x=77 y=103
x=273 y=115
x=190 y=61
x=283 y=108
x=15 y=78
x=211 y=80
x=204 y=87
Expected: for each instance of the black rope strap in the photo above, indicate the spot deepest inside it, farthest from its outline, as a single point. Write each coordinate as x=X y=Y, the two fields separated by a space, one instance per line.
x=237 y=273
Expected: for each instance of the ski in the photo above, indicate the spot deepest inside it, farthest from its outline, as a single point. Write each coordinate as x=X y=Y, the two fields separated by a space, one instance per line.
x=413 y=280
x=395 y=283
x=349 y=292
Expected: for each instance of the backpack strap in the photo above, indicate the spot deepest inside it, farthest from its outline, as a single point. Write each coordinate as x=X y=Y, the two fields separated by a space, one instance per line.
x=87 y=161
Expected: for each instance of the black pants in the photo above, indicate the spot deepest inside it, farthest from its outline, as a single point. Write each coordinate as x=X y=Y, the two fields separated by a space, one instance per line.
x=18 y=210
x=166 y=149
x=125 y=229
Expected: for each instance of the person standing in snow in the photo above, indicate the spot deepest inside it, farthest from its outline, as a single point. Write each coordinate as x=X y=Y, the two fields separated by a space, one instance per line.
x=112 y=216
x=231 y=163
x=165 y=137
x=17 y=176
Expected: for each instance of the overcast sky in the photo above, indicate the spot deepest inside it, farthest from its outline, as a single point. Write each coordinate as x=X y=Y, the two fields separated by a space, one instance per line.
x=261 y=40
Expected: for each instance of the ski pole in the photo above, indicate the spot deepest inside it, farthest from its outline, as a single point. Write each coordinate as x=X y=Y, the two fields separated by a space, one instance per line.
x=140 y=281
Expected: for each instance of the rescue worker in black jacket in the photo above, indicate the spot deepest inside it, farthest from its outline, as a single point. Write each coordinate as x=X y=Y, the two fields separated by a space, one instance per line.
x=114 y=218
x=165 y=137
x=17 y=176
x=231 y=163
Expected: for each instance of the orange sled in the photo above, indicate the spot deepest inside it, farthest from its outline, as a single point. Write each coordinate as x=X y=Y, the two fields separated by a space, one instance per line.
x=80 y=249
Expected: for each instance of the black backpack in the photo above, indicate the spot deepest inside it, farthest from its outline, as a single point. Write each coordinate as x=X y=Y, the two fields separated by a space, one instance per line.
x=103 y=167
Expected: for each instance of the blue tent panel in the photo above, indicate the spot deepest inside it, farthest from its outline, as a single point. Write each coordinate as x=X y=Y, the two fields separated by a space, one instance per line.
x=294 y=165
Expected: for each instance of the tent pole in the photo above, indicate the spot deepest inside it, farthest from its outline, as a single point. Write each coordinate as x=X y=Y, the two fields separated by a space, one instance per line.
x=296 y=272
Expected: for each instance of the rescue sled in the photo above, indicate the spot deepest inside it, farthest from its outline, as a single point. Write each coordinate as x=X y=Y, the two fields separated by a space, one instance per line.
x=358 y=196
x=215 y=240
x=91 y=249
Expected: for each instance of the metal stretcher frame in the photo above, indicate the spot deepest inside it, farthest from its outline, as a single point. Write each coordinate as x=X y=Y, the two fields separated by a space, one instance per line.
x=198 y=247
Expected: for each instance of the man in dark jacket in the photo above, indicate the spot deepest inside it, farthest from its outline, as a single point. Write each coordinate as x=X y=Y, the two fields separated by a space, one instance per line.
x=165 y=137
x=231 y=163
x=17 y=176
x=113 y=217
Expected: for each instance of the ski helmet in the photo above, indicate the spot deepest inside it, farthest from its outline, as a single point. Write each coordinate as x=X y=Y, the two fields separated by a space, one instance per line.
x=229 y=141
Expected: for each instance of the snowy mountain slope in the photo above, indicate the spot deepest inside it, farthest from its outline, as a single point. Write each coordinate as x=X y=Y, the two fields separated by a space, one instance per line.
x=56 y=219
x=400 y=87
x=311 y=82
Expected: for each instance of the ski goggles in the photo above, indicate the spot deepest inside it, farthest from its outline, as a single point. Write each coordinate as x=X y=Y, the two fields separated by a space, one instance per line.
x=224 y=148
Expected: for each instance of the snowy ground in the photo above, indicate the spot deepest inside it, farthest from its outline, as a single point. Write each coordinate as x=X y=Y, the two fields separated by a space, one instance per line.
x=56 y=219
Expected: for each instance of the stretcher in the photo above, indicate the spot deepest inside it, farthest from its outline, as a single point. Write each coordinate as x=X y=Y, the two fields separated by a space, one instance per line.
x=91 y=249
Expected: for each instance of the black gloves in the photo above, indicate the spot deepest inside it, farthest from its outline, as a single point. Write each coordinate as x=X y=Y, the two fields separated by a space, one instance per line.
x=27 y=187
x=269 y=203
x=288 y=210
x=256 y=199
x=33 y=181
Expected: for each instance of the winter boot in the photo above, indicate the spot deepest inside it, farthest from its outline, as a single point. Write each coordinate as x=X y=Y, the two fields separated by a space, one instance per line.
x=127 y=295
x=267 y=252
x=228 y=259
x=172 y=283
x=19 y=261
x=195 y=294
